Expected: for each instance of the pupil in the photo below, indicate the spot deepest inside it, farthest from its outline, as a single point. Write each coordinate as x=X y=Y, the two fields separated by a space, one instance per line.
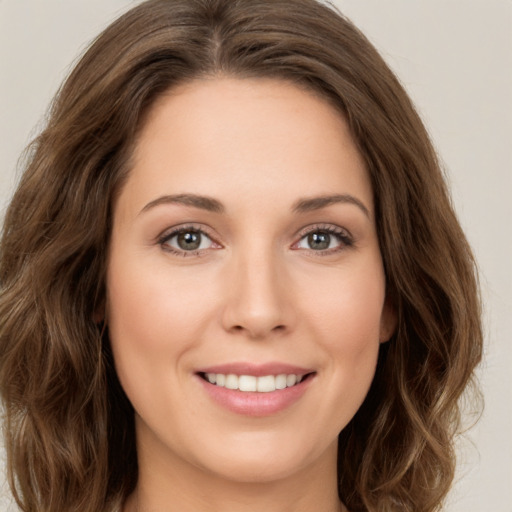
x=319 y=241
x=189 y=240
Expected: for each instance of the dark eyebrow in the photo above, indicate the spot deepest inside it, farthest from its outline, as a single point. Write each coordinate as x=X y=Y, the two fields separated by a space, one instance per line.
x=315 y=203
x=202 y=202
x=213 y=205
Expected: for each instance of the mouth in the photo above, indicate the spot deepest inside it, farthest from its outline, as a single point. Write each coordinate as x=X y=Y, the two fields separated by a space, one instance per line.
x=256 y=390
x=254 y=383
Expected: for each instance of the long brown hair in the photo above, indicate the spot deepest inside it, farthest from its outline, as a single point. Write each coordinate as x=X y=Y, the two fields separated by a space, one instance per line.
x=69 y=431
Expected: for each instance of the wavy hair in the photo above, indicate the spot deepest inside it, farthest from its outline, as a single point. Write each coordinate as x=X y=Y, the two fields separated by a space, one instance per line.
x=68 y=426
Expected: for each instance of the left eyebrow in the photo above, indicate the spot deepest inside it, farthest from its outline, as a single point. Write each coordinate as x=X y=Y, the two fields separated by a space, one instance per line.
x=316 y=203
x=202 y=202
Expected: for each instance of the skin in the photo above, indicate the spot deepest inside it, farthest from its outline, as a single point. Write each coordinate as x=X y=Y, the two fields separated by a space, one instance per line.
x=255 y=291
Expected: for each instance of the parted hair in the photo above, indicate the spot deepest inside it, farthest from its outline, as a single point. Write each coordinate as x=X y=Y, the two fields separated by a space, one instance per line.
x=68 y=427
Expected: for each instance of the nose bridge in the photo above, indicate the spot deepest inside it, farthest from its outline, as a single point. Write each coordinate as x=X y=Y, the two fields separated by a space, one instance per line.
x=258 y=303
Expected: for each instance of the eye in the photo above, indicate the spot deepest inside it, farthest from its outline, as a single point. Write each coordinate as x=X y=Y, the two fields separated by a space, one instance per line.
x=186 y=240
x=325 y=239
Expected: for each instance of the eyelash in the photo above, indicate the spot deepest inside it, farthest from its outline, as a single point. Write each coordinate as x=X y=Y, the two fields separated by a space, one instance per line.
x=344 y=237
x=346 y=240
x=164 y=239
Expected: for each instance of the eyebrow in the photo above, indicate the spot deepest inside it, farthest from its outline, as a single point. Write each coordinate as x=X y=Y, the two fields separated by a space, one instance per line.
x=316 y=203
x=201 y=202
x=213 y=205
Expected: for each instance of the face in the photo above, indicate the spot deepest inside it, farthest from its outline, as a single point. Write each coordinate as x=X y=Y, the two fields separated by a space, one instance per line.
x=246 y=292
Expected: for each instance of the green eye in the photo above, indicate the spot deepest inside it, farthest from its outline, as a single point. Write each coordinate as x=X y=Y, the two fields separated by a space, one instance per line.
x=187 y=240
x=319 y=241
x=325 y=239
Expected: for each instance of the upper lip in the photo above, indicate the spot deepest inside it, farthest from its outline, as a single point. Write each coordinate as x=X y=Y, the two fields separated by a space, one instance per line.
x=258 y=370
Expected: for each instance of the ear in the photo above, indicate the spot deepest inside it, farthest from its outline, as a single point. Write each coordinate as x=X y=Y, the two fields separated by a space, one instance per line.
x=388 y=321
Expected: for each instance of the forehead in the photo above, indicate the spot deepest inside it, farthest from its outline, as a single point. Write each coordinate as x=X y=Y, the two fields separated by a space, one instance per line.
x=243 y=138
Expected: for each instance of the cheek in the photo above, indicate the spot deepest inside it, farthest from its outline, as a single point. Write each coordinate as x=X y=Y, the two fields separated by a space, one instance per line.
x=351 y=338
x=150 y=306
x=346 y=318
x=153 y=320
x=348 y=308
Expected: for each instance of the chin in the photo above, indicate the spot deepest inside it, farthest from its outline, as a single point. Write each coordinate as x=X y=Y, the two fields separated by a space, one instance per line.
x=265 y=458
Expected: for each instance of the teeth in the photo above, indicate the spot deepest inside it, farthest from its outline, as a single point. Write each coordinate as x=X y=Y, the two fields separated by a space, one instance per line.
x=291 y=380
x=247 y=383
x=231 y=382
x=280 y=381
x=264 y=384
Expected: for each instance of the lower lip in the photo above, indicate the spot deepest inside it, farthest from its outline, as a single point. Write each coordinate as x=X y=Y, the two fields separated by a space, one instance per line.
x=255 y=404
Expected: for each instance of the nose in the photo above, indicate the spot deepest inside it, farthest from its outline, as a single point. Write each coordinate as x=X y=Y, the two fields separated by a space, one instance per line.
x=259 y=301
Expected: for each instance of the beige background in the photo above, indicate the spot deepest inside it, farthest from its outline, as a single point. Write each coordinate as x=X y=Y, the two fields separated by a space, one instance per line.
x=455 y=59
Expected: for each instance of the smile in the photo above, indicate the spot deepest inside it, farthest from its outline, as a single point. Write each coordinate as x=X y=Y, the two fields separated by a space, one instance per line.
x=252 y=383
x=256 y=390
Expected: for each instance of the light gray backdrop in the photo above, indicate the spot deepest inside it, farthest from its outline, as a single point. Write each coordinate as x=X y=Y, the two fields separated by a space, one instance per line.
x=455 y=59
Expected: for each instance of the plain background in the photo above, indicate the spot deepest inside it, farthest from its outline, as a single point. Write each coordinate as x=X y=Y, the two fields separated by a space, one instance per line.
x=455 y=59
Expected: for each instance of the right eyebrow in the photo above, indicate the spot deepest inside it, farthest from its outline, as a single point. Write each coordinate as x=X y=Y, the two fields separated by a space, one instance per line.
x=197 y=201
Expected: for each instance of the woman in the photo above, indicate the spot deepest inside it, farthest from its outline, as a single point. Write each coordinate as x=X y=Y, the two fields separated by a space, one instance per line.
x=231 y=276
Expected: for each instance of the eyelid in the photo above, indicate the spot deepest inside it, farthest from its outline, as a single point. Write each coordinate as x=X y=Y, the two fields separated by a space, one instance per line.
x=169 y=233
x=346 y=238
x=343 y=234
x=322 y=226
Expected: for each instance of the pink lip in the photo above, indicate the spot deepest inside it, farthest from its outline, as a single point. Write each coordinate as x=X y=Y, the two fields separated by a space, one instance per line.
x=254 y=403
x=258 y=370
